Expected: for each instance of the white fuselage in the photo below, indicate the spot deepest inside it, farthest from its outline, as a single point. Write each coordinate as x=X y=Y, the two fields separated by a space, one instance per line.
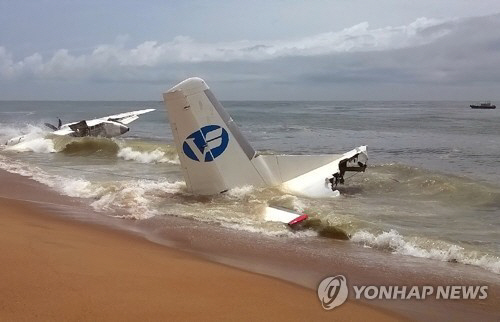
x=102 y=128
x=108 y=127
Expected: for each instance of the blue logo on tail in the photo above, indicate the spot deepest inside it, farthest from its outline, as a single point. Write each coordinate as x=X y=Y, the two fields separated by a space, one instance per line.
x=206 y=144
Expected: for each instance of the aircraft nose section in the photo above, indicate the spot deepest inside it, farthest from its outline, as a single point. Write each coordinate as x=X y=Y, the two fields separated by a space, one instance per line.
x=124 y=129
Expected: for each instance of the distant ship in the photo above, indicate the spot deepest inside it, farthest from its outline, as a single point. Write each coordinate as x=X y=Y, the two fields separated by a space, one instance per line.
x=486 y=105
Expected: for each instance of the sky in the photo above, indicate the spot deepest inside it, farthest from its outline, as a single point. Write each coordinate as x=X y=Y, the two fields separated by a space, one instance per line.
x=251 y=50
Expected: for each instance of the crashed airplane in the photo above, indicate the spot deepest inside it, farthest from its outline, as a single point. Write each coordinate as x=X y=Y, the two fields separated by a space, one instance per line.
x=108 y=126
x=215 y=156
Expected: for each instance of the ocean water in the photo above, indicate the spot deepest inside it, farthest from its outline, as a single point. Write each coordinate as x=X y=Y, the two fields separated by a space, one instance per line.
x=431 y=189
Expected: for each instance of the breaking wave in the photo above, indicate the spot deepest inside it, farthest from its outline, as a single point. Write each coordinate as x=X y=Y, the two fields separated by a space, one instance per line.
x=36 y=139
x=276 y=231
x=147 y=152
x=394 y=242
x=125 y=199
x=86 y=146
x=135 y=197
x=155 y=156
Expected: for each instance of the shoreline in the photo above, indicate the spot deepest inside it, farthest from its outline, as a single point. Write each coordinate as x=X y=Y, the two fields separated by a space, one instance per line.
x=58 y=268
x=288 y=261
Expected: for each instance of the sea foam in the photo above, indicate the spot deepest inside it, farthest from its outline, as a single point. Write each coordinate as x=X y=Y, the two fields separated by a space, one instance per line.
x=32 y=139
x=136 y=197
x=72 y=187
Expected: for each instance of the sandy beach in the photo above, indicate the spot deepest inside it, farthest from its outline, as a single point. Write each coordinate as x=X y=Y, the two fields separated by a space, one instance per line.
x=53 y=268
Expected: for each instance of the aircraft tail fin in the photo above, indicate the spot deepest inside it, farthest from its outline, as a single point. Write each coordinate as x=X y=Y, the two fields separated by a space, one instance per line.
x=214 y=154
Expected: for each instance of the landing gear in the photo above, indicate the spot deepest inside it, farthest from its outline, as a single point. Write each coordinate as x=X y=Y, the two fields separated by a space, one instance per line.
x=336 y=179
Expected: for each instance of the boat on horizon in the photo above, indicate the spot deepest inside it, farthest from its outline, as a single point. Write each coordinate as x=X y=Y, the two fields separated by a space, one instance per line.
x=485 y=105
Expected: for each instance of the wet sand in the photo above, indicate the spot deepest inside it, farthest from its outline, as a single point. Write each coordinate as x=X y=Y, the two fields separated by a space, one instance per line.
x=55 y=268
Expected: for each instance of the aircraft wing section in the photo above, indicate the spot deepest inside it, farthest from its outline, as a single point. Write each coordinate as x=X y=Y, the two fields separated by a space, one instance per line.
x=128 y=117
x=214 y=154
x=286 y=216
x=277 y=169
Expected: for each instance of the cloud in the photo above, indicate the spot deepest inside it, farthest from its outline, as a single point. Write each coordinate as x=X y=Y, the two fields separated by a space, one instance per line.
x=109 y=58
x=427 y=58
